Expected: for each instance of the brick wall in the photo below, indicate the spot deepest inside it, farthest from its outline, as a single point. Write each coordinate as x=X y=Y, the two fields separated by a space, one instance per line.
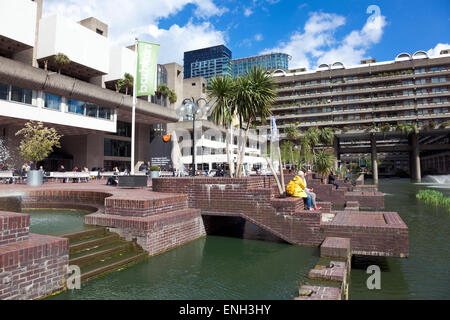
x=34 y=268
x=14 y=227
x=156 y=233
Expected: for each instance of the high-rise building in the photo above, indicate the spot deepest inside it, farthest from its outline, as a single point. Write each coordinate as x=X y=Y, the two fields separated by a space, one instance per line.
x=208 y=62
x=398 y=110
x=270 y=61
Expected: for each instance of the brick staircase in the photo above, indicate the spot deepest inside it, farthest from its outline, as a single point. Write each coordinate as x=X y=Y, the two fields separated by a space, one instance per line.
x=99 y=251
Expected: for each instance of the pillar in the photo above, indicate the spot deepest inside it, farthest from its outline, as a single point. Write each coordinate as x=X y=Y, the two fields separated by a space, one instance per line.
x=337 y=153
x=415 y=159
x=373 y=143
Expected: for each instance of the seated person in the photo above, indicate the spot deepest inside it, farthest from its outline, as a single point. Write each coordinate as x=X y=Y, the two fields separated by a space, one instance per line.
x=112 y=181
x=309 y=192
x=296 y=188
x=332 y=179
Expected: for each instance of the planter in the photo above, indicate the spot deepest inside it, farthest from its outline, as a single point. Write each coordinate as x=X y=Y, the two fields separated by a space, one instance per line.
x=132 y=181
x=154 y=174
x=35 y=178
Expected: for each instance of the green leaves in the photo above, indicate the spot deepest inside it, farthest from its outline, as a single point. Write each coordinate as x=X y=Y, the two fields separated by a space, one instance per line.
x=61 y=61
x=220 y=90
x=38 y=141
x=435 y=198
x=323 y=163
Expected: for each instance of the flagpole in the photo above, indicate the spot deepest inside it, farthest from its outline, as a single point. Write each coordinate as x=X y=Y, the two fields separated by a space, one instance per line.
x=133 y=115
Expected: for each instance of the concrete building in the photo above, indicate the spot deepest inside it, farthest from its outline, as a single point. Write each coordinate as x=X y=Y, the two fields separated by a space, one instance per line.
x=367 y=104
x=208 y=62
x=270 y=61
x=95 y=120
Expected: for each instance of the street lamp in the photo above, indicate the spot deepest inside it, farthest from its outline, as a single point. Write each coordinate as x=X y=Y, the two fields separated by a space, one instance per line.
x=191 y=108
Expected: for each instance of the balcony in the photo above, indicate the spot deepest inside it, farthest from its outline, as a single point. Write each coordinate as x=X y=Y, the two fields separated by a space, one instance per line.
x=87 y=50
x=17 y=26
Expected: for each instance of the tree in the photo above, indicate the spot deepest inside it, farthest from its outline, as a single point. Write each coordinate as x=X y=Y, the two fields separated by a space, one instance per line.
x=323 y=163
x=61 y=61
x=38 y=141
x=220 y=91
x=326 y=136
x=253 y=96
x=119 y=85
x=128 y=82
x=172 y=96
x=4 y=151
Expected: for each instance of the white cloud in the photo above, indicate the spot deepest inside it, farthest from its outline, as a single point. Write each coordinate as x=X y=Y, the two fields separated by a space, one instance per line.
x=248 y=12
x=140 y=18
x=317 y=43
x=259 y=37
x=437 y=49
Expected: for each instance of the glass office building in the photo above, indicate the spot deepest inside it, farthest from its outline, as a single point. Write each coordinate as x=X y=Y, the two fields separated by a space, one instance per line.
x=266 y=61
x=208 y=62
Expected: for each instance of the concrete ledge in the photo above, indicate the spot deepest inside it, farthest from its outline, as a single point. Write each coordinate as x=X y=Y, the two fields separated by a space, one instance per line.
x=335 y=273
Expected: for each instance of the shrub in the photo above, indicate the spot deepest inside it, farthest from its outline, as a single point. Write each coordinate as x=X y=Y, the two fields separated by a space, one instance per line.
x=435 y=198
x=154 y=168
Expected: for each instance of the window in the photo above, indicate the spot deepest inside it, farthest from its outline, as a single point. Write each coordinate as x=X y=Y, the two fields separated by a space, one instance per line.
x=76 y=106
x=421 y=81
x=52 y=102
x=100 y=32
x=421 y=70
x=116 y=148
x=4 y=94
x=104 y=113
x=91 y=110
x=123 y=129
x=21 y=95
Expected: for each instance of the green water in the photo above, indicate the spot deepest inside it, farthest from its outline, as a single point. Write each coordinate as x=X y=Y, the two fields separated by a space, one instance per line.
x=231 y=268
x=56 y=221
x=425 y=274
x=209 y=268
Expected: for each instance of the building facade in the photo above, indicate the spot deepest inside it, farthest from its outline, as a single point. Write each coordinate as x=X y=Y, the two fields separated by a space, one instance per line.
x=271 y=61
x=78 y=99
x=368 y=104
x=208 y=62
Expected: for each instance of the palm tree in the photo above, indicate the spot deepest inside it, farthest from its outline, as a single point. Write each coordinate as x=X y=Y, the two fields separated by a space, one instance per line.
x=119 y=85
x=61 y=61
x=326 y=136
x=253 y=94
x=128 y=82
x=220 y=91
x=323 y=163
x=172 y=97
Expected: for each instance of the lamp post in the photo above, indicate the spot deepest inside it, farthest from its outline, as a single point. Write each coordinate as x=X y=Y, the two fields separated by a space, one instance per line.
x=190 y=107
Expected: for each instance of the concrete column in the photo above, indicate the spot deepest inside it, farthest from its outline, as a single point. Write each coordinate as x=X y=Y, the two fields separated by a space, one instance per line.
x=373 y=142
x=415 y=159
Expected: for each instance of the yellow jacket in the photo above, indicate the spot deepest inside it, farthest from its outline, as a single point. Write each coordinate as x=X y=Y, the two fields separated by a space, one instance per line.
x=296 y=188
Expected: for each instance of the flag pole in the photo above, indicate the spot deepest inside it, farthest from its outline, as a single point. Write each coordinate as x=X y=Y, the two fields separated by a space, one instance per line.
x=133 y=115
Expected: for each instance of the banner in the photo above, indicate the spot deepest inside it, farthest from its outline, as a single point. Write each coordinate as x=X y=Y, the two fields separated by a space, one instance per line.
x=147 y=62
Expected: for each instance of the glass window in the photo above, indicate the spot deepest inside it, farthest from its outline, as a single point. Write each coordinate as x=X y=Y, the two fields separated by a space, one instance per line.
x=52 y=102
x=19 y=94
x=104 y=113
x=76 y=106
x=116 y=148
x=4 y=91
x=91 y=110
x=123 y=129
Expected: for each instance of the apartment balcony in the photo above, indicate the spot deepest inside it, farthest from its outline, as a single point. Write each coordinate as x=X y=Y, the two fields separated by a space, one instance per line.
x=87 y=50
x=366 y=80
x=17 y=26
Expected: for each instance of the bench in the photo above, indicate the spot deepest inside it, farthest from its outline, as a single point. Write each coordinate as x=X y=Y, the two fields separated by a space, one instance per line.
x=81 y=176
x=6 y=175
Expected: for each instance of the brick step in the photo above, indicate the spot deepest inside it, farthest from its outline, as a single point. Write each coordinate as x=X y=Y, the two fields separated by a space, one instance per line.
x=78 y=236
x=93 y=242
x=161 y=203
x=112 y=264
x=90 y=256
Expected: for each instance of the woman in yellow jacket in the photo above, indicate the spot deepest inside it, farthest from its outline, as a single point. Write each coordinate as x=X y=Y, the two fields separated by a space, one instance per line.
x=296 y=188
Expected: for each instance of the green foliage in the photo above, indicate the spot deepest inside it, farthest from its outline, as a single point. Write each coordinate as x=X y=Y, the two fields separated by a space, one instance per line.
x=61 y=61
x=38 y=141
x=154 y=168
x=164 y=91
x=119 y=85
x=172 y=96
x=220 y=91
x=326 y=136
x=292 y=132
x=435 y=198
x=323 y=163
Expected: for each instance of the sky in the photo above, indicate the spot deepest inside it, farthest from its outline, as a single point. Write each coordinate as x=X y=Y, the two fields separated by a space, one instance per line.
x=312 y=32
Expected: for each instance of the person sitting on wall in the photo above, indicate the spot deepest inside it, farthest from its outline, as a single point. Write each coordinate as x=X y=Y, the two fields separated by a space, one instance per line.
x=332 y=179
x=309 y=192
x=296 y=188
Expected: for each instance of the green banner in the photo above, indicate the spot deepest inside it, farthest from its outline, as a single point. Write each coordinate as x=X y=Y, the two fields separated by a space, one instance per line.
x=146 y=68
